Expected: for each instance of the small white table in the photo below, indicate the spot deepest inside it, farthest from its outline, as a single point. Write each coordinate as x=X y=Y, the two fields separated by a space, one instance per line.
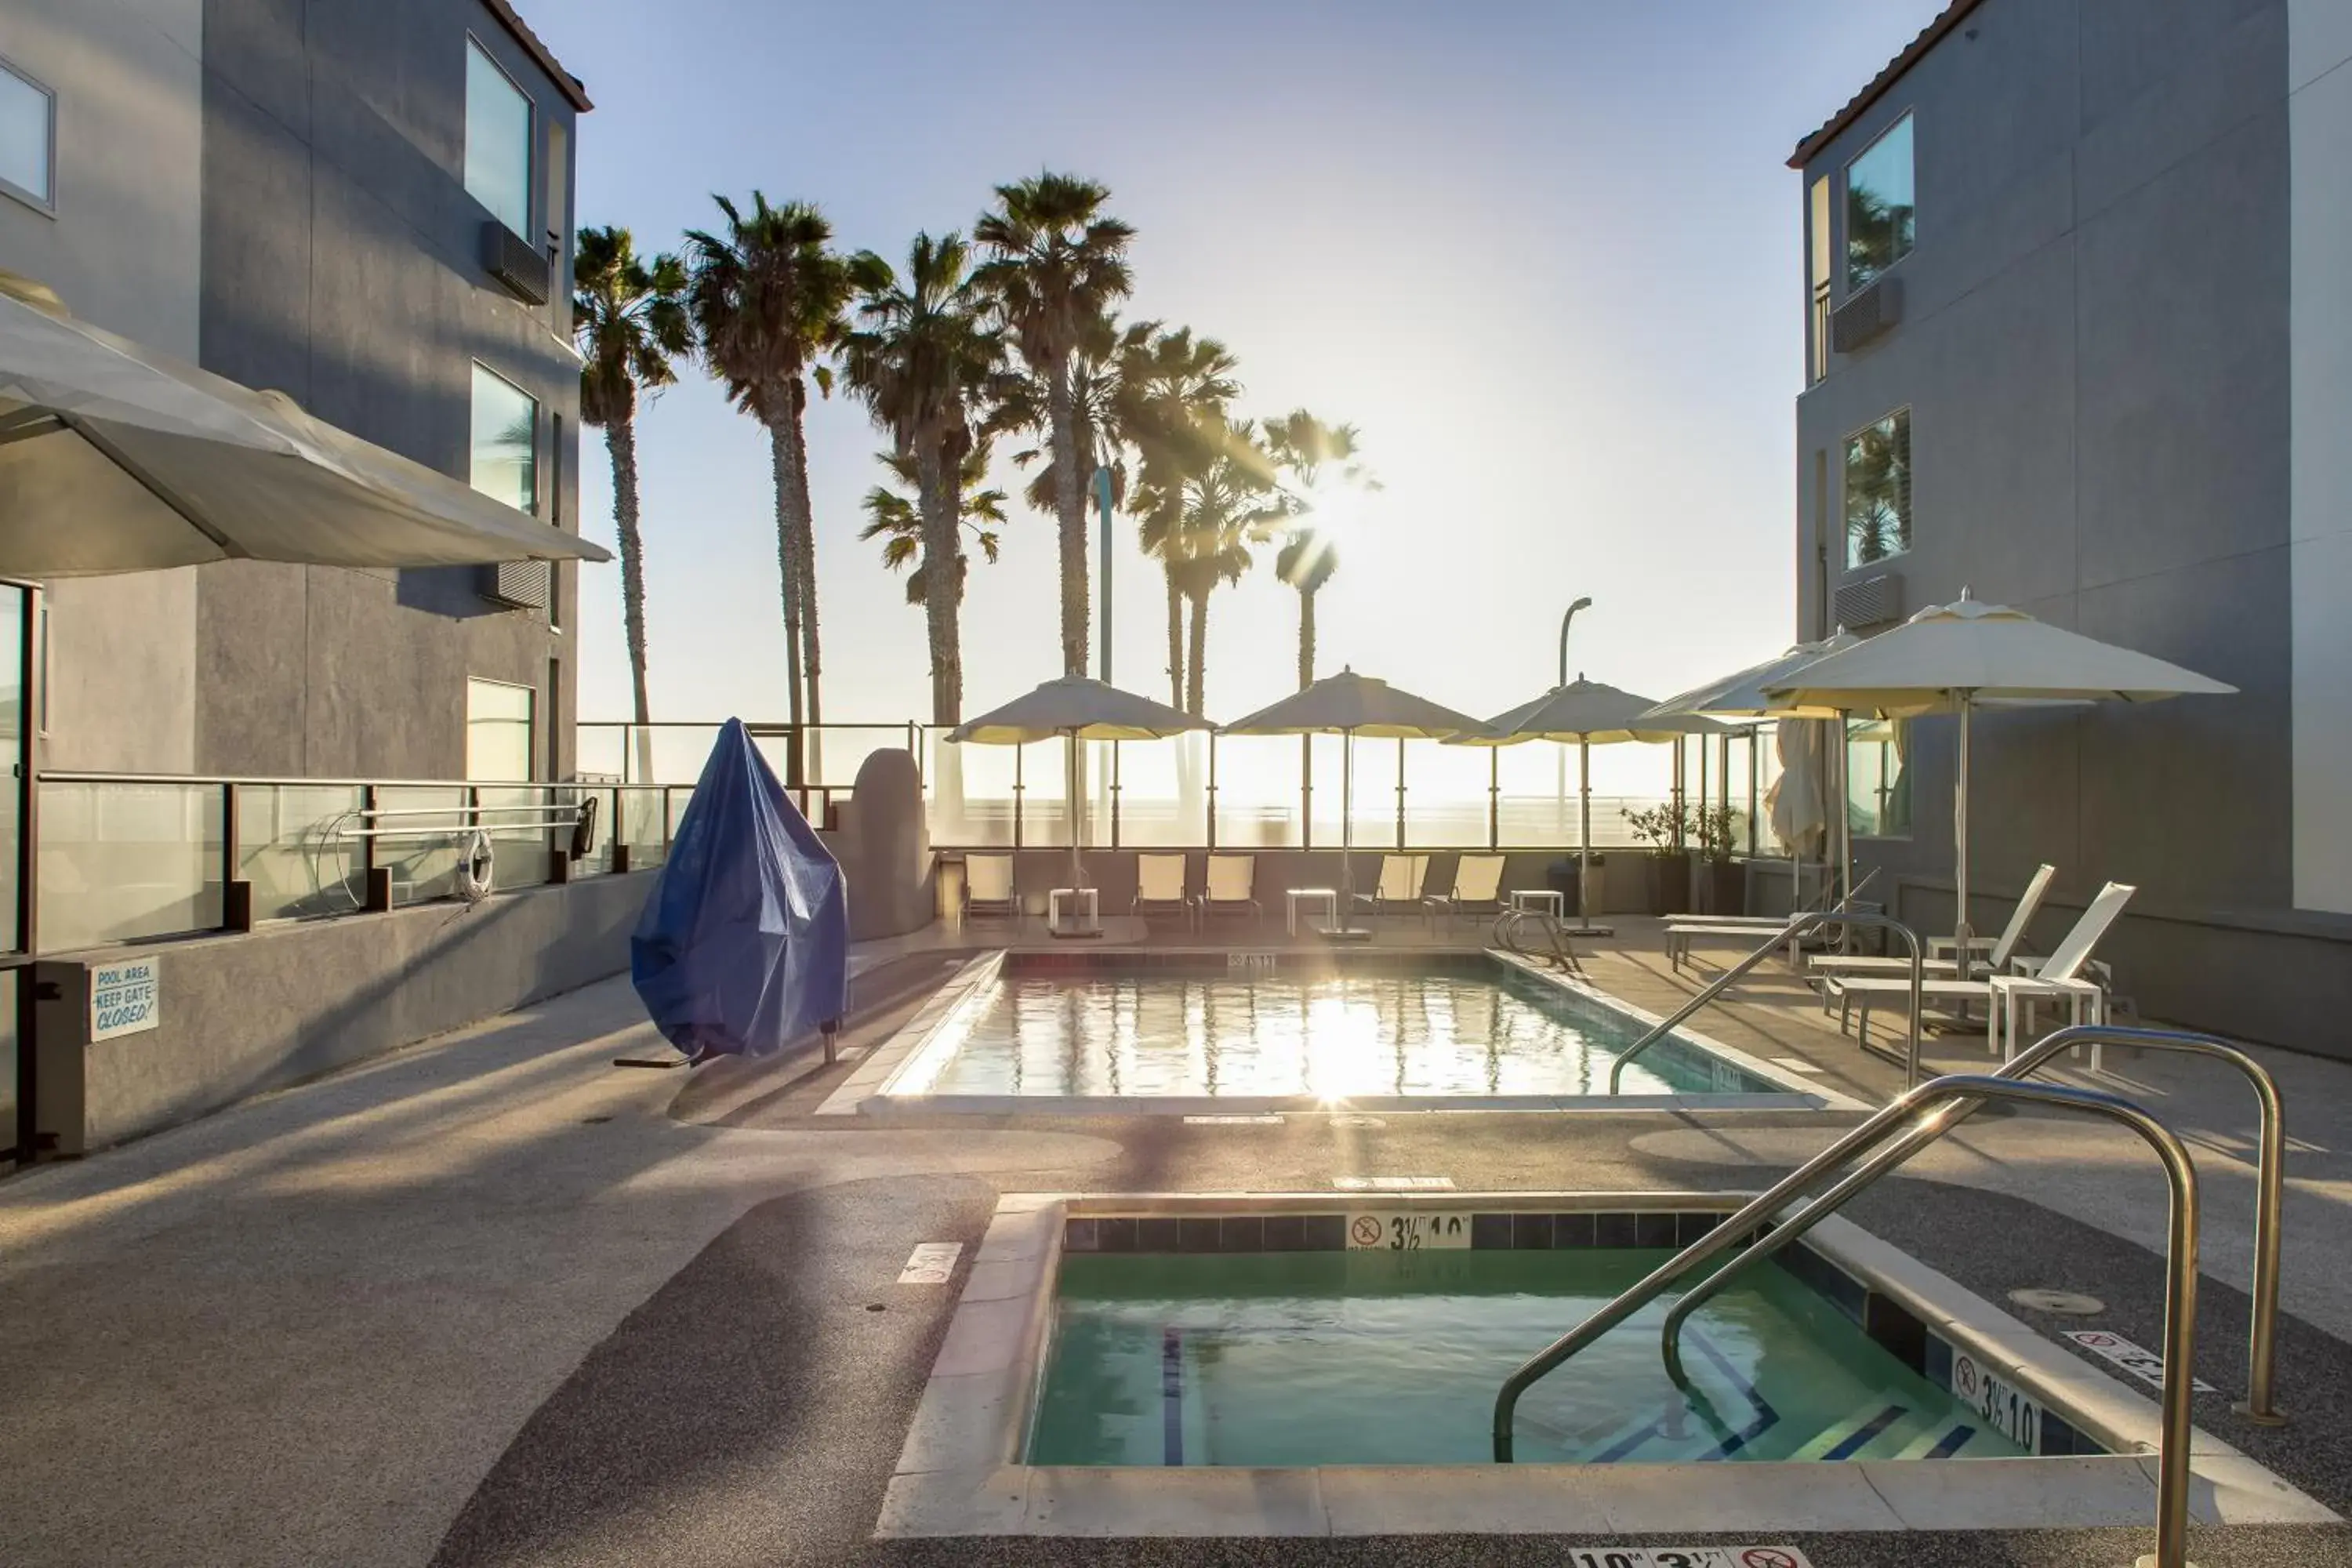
x=2085 y=1003
x=1083 y=902
x=1292 y=898
x=1549 y=900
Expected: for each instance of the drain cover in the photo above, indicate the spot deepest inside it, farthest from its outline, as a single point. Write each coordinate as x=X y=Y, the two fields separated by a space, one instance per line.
x=1358 y=1122
x=2065 y=1303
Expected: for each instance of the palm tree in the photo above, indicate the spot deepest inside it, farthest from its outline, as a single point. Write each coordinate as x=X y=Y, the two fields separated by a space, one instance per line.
x=629 y=319
x=1056 y=266
x=896 y=519
x=1300 y=445
x=1225 y=503
x=925 y=363
x=1171 y=388
x=766 y=298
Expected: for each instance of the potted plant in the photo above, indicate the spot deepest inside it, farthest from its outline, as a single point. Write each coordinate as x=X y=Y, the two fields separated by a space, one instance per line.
x=1665 y=873
x=1723 y=884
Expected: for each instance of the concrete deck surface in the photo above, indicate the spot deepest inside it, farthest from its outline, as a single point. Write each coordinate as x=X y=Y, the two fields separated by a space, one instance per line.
x=497 y=1300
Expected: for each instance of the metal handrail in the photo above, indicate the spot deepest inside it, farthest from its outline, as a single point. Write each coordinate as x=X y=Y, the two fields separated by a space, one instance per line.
x=2180 y=1266
x=1506 y=930
x=2270 y=1185
x=1797 y=927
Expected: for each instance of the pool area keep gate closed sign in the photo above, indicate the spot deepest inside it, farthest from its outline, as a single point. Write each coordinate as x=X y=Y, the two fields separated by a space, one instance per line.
x=125 y=997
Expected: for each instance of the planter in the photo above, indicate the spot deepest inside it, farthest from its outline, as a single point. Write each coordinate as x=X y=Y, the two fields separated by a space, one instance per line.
x=1723 y=887
x=1668 y=875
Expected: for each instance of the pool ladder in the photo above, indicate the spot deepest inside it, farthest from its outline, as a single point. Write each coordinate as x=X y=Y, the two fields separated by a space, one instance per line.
x=1941 y=1106
x=1558 y=951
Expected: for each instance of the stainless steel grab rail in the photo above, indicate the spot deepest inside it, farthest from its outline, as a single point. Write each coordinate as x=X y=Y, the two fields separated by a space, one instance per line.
x=2180 y=1267
x=1507 y=931
x=1796 y=928
x=2261 y=1343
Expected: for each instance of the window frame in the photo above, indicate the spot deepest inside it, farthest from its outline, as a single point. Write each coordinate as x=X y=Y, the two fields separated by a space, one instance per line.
x=1844 y=253
x=473 y=454
x=530 y=138
x=1846 y=522
x=46 y=205
x=530 y=722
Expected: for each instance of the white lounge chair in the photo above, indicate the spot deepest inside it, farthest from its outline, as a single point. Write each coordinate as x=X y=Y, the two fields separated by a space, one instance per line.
x=1160 y=886
x=2054 y=975
x=1230 y=887
x=1477 y=888
x=1998 y=950
x=988 y=886
x=1400 y=887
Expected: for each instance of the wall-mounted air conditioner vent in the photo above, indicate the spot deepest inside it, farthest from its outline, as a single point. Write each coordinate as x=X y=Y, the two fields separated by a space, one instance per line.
x=514 y=261
x=517 y=585
x=1867 y=314
x=1871 y=602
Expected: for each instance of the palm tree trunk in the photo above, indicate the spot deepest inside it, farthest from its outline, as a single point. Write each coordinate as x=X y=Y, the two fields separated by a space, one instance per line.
x=1175 y=640
x=942 y=580
x=1195 y=703
x=804 y=549
x=1305 y=638
x=621 y=442
x=780 y=463
x=1070 y=503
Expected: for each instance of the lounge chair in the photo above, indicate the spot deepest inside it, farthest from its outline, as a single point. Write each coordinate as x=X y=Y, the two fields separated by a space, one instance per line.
x=1477 y=888
x=988 y=886
x=1400 y=887
x=2054 y=975
x=1998 y=950
x=1231 y=888
x=1160 y=886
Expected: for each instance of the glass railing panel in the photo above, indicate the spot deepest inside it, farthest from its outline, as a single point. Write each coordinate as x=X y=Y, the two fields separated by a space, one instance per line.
x=420 y=832
x=1258 y=799
x=123 y=861
x=514 y=816
x=295 y=849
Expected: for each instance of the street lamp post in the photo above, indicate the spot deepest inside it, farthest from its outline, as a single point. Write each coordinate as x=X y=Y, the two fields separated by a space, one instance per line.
x=1560 y=782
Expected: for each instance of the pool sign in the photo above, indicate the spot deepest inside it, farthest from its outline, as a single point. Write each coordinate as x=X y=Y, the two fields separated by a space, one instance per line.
x=2012 y=1414
x=2137 y=1360
x=1386 y=1231
x=1688 y=1557
x=125 y=997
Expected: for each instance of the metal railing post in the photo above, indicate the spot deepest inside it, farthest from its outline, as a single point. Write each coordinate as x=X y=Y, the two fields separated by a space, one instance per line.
x=1212 y=790
x=1115 y=757
x=1401 y=840
x=1494 y=797
x=1020 y=785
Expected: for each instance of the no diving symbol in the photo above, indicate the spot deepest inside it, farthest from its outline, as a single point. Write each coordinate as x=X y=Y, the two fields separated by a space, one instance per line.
x=1964 y=1378
x=1366 y=1229
x=1767 y=1557
x=2094 y=1340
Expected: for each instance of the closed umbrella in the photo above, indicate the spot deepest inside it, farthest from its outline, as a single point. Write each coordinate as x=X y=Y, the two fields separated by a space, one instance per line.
x=115 y=458
x=1960 y=656
x=1081 y=708
x=1590 y=714
x=1348 y=705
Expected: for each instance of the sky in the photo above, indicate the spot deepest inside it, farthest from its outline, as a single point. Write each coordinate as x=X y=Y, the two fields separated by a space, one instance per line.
x=1545 y=257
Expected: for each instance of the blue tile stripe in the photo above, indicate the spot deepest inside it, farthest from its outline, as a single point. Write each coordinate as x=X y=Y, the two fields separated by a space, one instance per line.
x=1952 y=1441
x=1853 y=1442
x=1766 y=1416
x=1172 y=1392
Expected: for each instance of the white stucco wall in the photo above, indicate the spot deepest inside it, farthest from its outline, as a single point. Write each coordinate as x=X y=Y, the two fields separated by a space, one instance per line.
x=2319 y=125
x=122 y=249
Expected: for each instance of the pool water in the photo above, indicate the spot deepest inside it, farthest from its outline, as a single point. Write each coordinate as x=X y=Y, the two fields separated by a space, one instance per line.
x=1394 y=1358
x=1317 y=1036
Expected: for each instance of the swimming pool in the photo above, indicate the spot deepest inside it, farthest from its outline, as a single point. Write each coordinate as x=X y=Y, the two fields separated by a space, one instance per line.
x=1267 y=1032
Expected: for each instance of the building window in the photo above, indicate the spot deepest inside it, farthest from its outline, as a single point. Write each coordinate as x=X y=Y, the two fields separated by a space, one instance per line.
x=1878 y=778
x=497 y=731
x=1878 y=206
x=1878 y=490
x=498 y=141
x=1817 y=267
x=506 y=440
x=29 y=139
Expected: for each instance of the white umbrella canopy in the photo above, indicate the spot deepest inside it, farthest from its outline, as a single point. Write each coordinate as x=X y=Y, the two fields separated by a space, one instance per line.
x=1348 y=705
x=1081 y=708
x=115 y=458
x=1590 y=714
x=1961 y=655
x=1742 y=695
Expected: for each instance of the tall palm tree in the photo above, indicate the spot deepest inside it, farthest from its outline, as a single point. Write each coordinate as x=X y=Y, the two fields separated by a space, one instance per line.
x=1056 y=265
x=1173 y=392
x=629 y=319
x=1224 y=504
x=896 y=519
x=925 y=362
x=1303 y=448
x=766 y=296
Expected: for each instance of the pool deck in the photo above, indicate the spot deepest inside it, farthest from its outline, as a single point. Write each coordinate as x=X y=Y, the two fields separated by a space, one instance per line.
x=495 y=1299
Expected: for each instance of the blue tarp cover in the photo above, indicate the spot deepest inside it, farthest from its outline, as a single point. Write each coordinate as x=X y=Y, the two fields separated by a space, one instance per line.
x=744 y=945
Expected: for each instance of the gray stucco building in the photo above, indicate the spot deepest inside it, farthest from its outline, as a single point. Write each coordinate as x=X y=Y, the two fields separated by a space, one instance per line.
x=2079 y=338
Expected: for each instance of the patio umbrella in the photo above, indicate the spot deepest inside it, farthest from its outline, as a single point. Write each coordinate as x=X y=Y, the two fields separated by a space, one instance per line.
x=1083 y=710
x=1960 y=656
x=1590 y=714
x=1348 y=705
x=1741 y=695
x=116 y=459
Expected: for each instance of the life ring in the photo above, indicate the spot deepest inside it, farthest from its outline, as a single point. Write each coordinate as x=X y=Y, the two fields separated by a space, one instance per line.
x=583 y=829
x=478 y=868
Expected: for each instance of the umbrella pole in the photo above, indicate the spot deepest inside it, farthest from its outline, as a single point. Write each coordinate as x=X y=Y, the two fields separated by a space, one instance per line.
x=1346 y=926
x=1960 y=838
x=1584 y=901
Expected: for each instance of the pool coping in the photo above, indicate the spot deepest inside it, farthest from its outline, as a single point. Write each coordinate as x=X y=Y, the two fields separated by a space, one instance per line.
x=960 y=1472
x=872 y=1089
